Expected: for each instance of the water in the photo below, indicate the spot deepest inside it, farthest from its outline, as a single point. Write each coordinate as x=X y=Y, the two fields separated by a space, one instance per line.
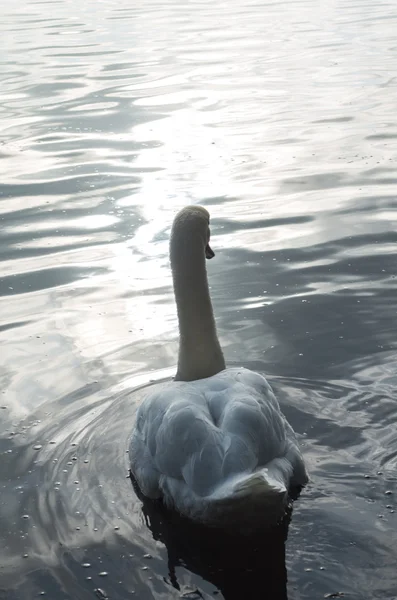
x=280 y=119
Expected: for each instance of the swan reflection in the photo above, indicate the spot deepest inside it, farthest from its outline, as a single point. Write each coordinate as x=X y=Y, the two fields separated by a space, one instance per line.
x=240 y=567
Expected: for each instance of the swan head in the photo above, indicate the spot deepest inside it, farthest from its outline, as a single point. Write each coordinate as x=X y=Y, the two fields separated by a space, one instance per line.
x=193 y=222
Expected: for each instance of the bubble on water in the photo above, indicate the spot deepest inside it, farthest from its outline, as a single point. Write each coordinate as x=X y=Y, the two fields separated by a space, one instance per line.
x=37 y=447
x=25 y=517
x=147 y=556
x=25 y=555
x=388 y=493
x=86 y=565
x=103 y=574
x=101 y=594
x=116 y=527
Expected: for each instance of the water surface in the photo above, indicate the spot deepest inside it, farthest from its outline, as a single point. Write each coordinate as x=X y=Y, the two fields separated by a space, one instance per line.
x=280 y=119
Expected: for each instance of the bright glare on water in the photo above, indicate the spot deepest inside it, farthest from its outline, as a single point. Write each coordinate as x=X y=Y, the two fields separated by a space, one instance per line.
x=280 y=118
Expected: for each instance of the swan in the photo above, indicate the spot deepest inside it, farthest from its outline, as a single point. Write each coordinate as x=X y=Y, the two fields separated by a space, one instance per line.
x=212 y=444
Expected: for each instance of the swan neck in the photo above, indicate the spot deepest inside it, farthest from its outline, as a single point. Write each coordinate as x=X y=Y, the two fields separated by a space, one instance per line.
x=200 y=354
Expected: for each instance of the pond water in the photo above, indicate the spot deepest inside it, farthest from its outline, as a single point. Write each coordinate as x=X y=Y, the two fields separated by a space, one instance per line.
x=280 y=118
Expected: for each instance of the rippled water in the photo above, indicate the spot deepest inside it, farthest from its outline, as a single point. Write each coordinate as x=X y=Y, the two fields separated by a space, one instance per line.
x=280 y=118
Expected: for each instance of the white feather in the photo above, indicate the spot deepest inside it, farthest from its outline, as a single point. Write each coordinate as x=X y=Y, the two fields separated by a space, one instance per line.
x=216 y=447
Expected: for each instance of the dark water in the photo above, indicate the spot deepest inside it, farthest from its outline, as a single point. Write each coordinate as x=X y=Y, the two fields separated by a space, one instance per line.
x=281 y=119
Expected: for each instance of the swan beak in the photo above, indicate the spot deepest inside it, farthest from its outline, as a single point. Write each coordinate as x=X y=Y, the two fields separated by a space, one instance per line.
x=209 y=253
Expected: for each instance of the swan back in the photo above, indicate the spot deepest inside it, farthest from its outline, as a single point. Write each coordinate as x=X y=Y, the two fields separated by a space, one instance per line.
x=210 y=444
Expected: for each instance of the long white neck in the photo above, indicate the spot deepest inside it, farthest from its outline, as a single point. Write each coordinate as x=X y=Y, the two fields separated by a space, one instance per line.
x=200 y=354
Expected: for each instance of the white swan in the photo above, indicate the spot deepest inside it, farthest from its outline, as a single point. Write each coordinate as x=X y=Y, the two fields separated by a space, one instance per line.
x=212 y=444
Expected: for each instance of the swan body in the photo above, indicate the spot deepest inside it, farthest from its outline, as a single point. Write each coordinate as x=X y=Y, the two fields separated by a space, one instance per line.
x=213 y=444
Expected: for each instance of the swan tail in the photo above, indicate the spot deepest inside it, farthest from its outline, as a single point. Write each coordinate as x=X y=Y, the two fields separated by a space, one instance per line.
x=265 y=487
x=260 y=485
